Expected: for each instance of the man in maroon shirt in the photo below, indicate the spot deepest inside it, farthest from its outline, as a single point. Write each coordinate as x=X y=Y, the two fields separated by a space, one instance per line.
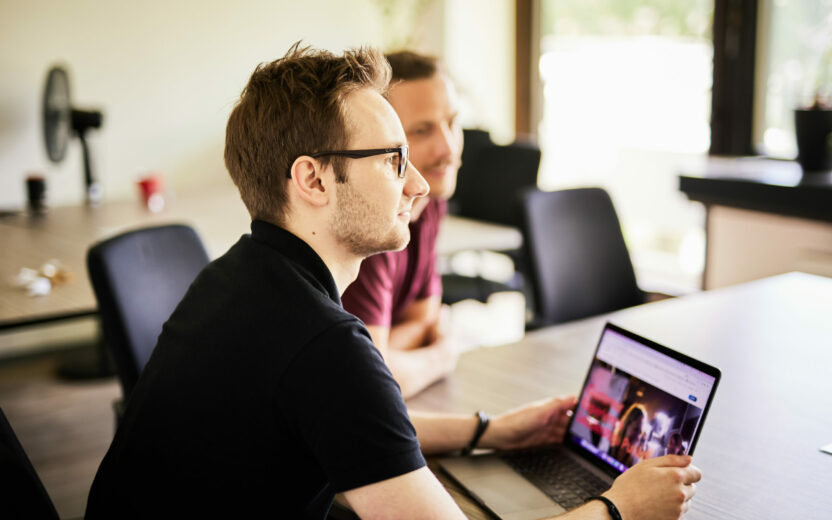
x=398 y=294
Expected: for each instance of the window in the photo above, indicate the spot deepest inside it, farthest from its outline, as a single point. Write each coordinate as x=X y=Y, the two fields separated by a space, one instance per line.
x=626 y=104
x=797 y=39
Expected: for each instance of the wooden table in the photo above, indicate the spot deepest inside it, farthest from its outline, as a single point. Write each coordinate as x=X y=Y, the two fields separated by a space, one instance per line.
x=65 y=233
x=216 y=212
x=759 y=448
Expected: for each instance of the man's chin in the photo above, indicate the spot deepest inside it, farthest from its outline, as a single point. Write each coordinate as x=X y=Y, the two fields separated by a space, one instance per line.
x=400 y=244
x=394 y=244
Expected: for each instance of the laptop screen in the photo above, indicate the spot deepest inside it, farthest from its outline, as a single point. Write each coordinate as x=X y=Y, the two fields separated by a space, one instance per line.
x=640 y=400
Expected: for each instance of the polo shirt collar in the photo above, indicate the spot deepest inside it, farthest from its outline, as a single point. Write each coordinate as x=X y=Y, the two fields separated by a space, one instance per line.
x=299 y=252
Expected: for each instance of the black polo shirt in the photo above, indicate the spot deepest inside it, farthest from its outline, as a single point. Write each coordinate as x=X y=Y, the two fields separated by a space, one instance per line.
x=262 y=394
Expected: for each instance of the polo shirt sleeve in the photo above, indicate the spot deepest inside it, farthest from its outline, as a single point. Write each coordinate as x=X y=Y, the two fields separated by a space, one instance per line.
x=349 y=410
x=370 y=296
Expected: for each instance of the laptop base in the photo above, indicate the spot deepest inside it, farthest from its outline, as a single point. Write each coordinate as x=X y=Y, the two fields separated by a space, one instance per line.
x=500 y=489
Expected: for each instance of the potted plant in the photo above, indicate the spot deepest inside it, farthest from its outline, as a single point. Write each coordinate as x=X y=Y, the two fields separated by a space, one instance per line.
x=813 y=125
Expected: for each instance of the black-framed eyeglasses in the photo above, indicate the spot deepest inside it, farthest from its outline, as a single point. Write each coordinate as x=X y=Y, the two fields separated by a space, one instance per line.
x=403 y=152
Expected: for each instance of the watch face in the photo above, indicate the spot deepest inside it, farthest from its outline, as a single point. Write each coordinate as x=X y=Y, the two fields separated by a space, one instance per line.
x=56 y=113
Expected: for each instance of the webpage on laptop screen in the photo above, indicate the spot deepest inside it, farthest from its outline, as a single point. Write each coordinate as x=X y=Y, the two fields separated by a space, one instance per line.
x=638 y=403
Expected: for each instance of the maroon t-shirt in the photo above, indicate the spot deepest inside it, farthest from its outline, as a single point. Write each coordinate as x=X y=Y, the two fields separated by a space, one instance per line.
x=389 y=282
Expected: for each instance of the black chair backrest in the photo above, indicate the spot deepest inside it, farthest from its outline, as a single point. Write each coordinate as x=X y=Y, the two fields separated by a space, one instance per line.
x=491 y=177
x=138 y=278
x=23 y=493
x=475 y=141
x=578 y=262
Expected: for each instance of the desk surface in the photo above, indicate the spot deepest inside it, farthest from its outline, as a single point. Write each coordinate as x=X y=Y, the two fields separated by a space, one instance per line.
x=216 y=212
x=759 y=448
x=65 y=233
x=462 y=234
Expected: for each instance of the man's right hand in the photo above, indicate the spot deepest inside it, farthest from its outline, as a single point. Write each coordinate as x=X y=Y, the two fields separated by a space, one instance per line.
x=658 y=488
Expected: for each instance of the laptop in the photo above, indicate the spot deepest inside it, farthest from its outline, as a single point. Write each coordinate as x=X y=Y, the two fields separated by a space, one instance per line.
x=639 y=400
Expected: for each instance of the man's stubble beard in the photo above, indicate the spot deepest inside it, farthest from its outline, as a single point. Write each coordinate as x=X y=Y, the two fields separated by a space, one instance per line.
x=357 y=222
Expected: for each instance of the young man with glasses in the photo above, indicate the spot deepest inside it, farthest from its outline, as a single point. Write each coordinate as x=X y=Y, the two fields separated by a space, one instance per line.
x=398 y=293
x=263 y=396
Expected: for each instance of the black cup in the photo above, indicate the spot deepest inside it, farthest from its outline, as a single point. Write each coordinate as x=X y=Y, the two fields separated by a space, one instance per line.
x=813 y=131
x=36 y=194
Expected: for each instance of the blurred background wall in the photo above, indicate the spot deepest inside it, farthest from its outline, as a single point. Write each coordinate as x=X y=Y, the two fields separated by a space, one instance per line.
x=167 y=73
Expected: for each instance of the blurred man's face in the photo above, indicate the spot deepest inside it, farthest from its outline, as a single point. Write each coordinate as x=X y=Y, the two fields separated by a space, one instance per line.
x=428 y=111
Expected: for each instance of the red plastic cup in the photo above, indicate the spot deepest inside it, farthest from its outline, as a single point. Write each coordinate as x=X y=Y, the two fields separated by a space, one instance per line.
x=152 y=190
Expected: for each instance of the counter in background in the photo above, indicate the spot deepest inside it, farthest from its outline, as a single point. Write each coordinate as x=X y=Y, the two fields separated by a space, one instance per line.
x=764 y=217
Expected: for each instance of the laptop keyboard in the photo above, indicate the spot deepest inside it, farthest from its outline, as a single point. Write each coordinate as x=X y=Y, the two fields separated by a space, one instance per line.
x=558 y=475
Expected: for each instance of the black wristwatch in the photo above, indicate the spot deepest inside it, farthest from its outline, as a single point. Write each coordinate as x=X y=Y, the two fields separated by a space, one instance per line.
x=613 y=511
x=483 y=420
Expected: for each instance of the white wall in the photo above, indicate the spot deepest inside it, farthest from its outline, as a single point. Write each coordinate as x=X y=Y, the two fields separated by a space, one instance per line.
x=479 y=50
x=165 y=73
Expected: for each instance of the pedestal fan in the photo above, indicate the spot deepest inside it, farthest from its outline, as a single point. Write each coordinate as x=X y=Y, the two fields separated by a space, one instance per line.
x=61 y=121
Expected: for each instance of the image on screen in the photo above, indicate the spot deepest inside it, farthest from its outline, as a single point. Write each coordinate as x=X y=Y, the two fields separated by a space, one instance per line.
x=622 y=419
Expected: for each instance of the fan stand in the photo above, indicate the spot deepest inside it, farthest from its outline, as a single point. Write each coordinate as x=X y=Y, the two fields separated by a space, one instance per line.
x=83 y=120
x=92 y=190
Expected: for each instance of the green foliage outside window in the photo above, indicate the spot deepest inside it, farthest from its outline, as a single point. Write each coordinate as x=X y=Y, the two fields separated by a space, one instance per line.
x=679 y=18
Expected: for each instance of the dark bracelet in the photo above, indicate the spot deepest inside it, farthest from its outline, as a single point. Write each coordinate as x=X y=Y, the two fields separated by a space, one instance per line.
x=610 y=506
x=483 y=419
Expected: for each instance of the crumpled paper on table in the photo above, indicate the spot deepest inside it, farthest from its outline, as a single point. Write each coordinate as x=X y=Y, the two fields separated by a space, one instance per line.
x=39 y=282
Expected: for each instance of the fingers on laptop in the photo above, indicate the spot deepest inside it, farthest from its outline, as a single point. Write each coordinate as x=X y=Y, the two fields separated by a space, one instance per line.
x=689 y=472
x=672 y=481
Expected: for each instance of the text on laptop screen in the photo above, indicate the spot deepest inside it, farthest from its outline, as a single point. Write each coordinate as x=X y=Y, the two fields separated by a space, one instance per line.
x=638 y=403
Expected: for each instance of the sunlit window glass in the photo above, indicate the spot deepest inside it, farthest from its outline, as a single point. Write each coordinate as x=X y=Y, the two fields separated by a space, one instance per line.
x=626 y=104
x=794 y=62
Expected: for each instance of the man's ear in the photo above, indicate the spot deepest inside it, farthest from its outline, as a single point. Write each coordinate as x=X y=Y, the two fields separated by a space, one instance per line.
x=308 y=181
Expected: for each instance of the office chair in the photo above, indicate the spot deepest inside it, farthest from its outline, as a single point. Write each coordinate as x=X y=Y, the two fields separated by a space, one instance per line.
x=578 y=263
x=138 y=278
x=475 y=141
x=491 y=177
x=23 y=493
x=488 y=184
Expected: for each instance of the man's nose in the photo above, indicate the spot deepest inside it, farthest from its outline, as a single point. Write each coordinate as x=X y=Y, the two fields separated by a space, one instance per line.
x=415 y=185
x=444 y=142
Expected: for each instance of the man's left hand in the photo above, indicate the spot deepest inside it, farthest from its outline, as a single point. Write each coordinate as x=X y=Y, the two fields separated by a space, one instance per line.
x=540 y=422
